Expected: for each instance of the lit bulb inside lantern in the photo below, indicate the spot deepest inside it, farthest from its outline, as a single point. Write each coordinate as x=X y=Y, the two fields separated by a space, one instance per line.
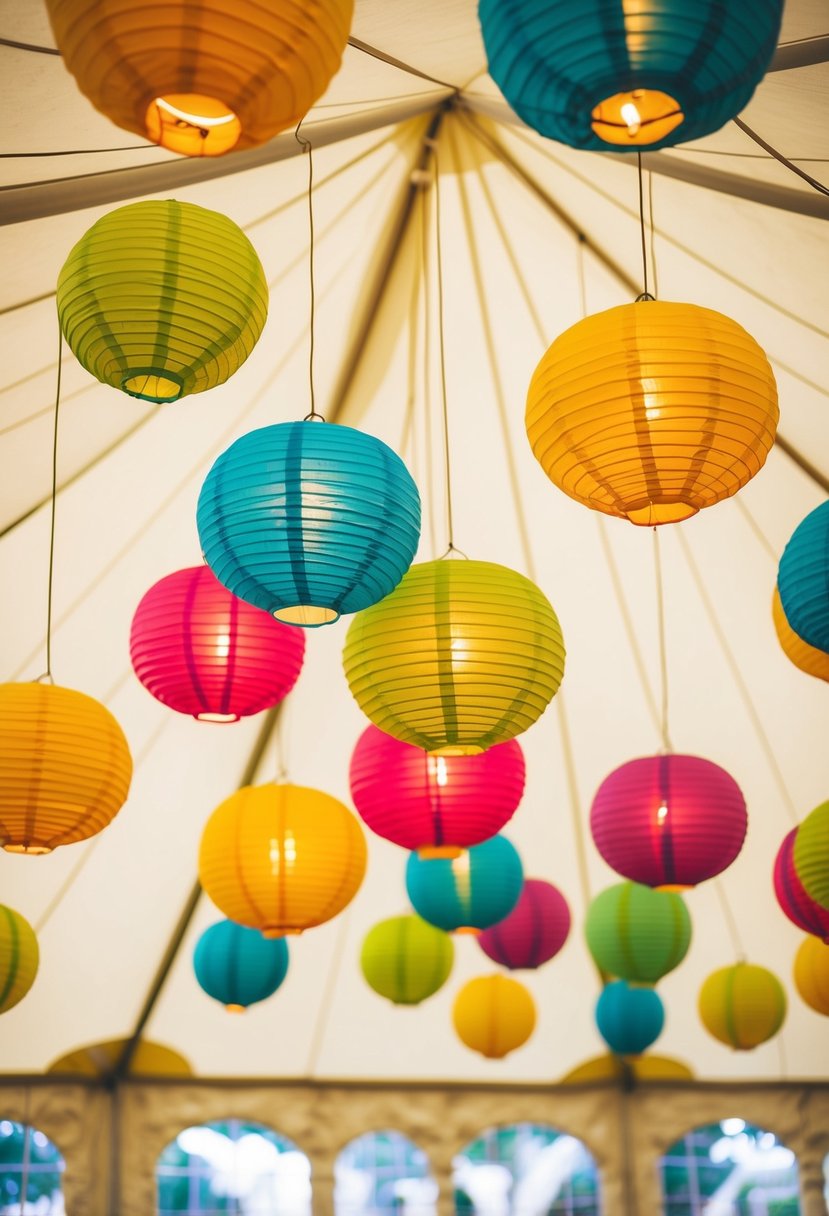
x=222 y=645
x=441 y=775
x=282 y=853
x=193 y=120
x=662 y=813
x=632 y=118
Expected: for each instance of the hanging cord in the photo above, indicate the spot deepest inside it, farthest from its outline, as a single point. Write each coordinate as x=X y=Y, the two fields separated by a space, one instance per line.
x=646 y=295
x=731 y=923
x=581 y=275
x=47 y=675
x=663 y=650
x=428 y=444
x=442 y=348
x=653 y=234
x=305 y=144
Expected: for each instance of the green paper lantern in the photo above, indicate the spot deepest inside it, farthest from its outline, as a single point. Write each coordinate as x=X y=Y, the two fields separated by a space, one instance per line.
x=406 y=960
x=636 y=933
x=162 y=299
x=811 y=854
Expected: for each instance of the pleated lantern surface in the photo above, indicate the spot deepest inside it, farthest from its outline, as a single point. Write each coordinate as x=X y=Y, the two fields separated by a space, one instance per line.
x=494 y=1015
x=202 y=77
x=162 y=299
x=406 y=960
x=742 y=1005
x=803 y=579
x=811 y=854
x=535 y=930
x=65 y=767
x=463 y=655
x=309 y=520
x=204 y=652
x=808 y=658
x=629 y=1019
x=637 y=934
x=669 y=821
x=811 y=974
x=468 y=893
x=436 y=805
x=281 y=858
x=792 y=896
x=620 y=74
x=652 y=411
x=238 y=966
x=19 y=957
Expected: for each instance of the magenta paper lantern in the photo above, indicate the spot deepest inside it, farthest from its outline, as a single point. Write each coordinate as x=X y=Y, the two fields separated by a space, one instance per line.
x=202 y=651
x=435 y=805
x=534 y=931
x=669 y=820
x=793 y=897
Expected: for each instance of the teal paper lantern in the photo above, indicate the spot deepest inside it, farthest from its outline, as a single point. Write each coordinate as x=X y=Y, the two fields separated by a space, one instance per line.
x=238 y=966
x=629 y=1019
x=620 y=75
x=803 y=579
x=468 y=893
x=309 y=520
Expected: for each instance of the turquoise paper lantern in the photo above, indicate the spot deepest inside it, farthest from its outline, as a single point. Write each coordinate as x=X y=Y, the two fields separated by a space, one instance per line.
x=803 y=579
x=615 y=75
x=309 y=520
x=629 y=1019
x=468 y=893
x=238 y=966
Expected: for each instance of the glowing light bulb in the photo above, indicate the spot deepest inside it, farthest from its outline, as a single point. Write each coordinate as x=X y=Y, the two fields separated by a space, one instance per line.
x=632 y=117
x=441 y=774
x=193 y=120
x=222 y=645
x=662 y=813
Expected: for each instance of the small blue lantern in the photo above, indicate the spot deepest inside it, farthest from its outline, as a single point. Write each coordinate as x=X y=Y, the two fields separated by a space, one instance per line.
x=239 y=966
x=467 y=893
x=309 y=520
x=615 y=75
x=803 y=579
x=629 y=1019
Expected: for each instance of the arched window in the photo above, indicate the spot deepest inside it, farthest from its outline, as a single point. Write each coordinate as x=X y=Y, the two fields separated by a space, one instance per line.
x=30 y=1172
x=233 y=1166
x=381 y=1173
x=526 y=1169
x=730 y=1168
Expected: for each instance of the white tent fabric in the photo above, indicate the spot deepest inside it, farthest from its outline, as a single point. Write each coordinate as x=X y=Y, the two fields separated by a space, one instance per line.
x=129 y=476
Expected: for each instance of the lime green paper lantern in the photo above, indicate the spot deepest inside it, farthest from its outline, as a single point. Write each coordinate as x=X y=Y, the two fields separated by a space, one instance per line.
x=406 y=960
x=636 y=933
x=811 y=854
x=162 y=299
x=19 y=957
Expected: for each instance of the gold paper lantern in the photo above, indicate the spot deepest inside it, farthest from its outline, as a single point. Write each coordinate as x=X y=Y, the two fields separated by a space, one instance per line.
x=652 y=411
x=19 y=957
x=494 y=1015
x=808 y=658
x=202 y=77
x=742 y=1006
x=811 y=973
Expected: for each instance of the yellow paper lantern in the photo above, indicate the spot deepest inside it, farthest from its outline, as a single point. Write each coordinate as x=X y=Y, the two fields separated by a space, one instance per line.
x=808 y=658
x=202 y=77
x=742 y=1005
x=494 y=1015
x=19 y=957
x=462 y=655
x=65 y=769
x=281 y=858
x=652 y=411
x=811 y=973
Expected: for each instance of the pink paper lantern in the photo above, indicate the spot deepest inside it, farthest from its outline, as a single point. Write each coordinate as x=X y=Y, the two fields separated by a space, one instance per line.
x=204 y=652
x=534 y=931
x=793 y=897
x=436 y=805
x=669 y=821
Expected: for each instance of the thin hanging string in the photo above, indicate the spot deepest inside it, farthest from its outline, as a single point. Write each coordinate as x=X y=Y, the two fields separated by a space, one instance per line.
x=663 y=650
x=305 y=144
x=428 y=444
x=645 y=293
x=653 y=234
x=731 y=923
x=48 y=673
x=447 y=464
x=581 y=274
x=280 y=732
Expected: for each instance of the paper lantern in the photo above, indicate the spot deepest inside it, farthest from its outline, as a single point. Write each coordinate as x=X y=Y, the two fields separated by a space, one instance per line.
x=533 y=932
x=803 y=579
x=205 y=652
x=309 y=520
x=437 y=805
x=161 y=299
x=811 y=974
x=19 y=957
x=811 y=854
x=792 y=896
x=622 y=75
x=463 y=655
x=66 y=767
x=652 y=411
x=406 y=960
x=494 y=1015
x=637 y=934
x=669 y=821
x=808 y=658
x=204 y=77
x=466 y=893
x=238 y=966
x=629 y=1019
x=742 y=1005
x=281 y=858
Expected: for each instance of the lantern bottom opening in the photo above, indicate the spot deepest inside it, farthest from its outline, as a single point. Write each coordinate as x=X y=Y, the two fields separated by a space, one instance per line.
x=309 y=616
x=654 y=513
x=468 y=930
x=636 y=118
x=235 y=1008
x=676 y=887
x=155 y=384
x=272 y=931
x=32 y=850
x=210 y=717
x=192 y=124
x=457 y=749
x=430 y=851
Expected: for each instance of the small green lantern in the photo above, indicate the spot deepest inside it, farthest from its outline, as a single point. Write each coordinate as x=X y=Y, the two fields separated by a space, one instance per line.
x=406 y=960
x=636 y=933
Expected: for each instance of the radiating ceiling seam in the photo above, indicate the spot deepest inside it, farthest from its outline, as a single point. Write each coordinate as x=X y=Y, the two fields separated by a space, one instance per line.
x=778 y=156
x=326 y=1003
x=428 y=441
x=392 y=62
x=760 y=535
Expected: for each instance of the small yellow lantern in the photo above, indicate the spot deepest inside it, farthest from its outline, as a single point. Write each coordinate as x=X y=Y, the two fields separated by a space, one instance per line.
x=742 y=1006
x=811 y=974
x=494 y=1015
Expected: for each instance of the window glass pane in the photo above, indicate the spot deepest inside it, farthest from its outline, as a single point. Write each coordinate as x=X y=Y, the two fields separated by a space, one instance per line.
x=526 y=1169
x=730 y=1168
x=30 y=1172
x=381 y=1173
